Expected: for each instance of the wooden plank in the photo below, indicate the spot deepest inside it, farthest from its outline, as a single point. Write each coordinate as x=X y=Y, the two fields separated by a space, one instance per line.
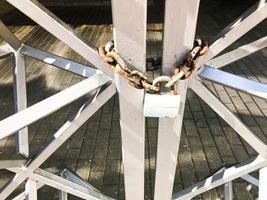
x=130 y=43
x=178 y=40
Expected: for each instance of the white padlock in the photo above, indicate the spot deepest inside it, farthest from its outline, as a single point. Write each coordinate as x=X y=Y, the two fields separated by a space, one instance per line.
x=163 y=105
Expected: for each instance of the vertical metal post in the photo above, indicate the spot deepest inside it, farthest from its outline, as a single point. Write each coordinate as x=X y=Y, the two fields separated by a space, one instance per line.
x=31 y=190
x=263 y=184
x=178 y=40
x=20 y=100
x=129 y=20
x=228 y=191
x=63 y=195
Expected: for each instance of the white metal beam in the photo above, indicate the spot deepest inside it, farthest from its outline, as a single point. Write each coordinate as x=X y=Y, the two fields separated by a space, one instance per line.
x=9 y=37
x=129 y=20
x=31 y=189
x=228 y=191
x=20 y=100
x=5 y=50
x=62 y=184
x=250 y=179
x=20 y=96
x=60 y=62
x=22 y=195
x=39 y=110
x=178 y=40
x=61 y=30
x=67 y=130
x=234 y=81
x=235 y=30
x=207 y=96
x=221 y=178
x=238 y=53
x=67 y=174
x=262 y=184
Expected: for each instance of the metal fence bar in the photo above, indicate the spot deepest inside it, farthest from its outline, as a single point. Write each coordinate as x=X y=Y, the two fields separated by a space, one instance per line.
x=22 y=195
x=228 y=191
x=230 y=118
x=57 y=61
x=221 y=178
x=234 y=81
x=130 y=43
x=62 y=184
x=238 y=53
x=31 y=189
x=235 y=30
x=9 y=37
x=5 y=50
x=262 y=184
x=61 y=30
x=20 y=95
x=20 y=100
x=63 y=195
x=39 y=110
x=66 y=131
x=67 y=174
x=250 y=179
x=178 y=40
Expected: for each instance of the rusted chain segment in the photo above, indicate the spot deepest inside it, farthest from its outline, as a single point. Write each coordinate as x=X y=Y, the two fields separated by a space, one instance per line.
x=138 y=80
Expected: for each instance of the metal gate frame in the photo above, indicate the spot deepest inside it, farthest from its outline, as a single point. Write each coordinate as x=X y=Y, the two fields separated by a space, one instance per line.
x=105 y=84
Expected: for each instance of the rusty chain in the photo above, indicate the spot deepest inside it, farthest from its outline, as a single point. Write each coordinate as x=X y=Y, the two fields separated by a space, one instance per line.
x=138 y=80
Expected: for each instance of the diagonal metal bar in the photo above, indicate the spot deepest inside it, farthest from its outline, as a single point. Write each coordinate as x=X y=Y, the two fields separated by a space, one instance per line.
x=61 y=30
x=250 y=179
x=9 y=37
x=66 y=131
x=178 y=40
x=62 y=184
x=60 y=62
x=67 y=174
x=235 y=30
x=234 y=81
x=5 y=50
x=221 y=178
x=205 y=94
x=130 y=42
x=238 y=53
x=39 y=110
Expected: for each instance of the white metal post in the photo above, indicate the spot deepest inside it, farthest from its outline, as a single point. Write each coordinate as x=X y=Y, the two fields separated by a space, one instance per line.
x=20 y=95
x=263 y=184
x=31 y=190
x=129 y=20
x=63 y=195
x=20 y=100
x=178 y=40
x=228 y=191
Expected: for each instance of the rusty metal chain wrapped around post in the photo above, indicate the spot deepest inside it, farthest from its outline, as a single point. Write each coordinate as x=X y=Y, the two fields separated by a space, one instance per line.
x=138 y=80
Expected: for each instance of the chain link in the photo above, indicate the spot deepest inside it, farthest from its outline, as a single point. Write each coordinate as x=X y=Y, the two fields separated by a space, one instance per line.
x=138 y=80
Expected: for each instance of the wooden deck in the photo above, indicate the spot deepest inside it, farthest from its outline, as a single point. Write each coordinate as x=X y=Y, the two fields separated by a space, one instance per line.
x=94 y=152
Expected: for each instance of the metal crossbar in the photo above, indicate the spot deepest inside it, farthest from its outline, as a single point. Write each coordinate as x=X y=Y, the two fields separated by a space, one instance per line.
x=129 y=36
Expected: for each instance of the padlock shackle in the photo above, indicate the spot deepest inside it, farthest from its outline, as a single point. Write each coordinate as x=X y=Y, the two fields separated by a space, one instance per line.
x=164 y=79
